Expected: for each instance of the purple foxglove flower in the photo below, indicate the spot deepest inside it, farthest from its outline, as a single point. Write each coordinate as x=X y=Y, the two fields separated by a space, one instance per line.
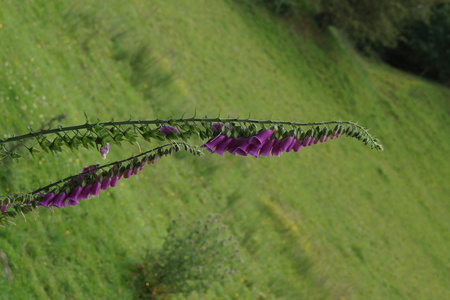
x=46 y=200
x=326 y=139
x=316 y=141
x=220 y=149
x=311 y=141
x=104 y=151
x=267 y=147
x=168 y=129
x=95 y=189
x=218 y=126
x=242 y=149
x=72 y=202
x=261 y=137
x=105 y=183
x=286 y=143
x=73 y=195
x=4 y=207
x=89 y=168
x=213 y=142
x=298 y=144
x=322 y=139
x=253 y=150
x=58 y=201
x=84 y=194
x=276 y=148
x=141 y=166
x=135 y=171
x=306 y=141
x=239 y=143
x=128 y=173
x=291 y=145
x=114 y=180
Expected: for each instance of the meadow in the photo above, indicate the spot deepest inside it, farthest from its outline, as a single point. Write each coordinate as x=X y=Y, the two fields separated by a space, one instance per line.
x=334 y=221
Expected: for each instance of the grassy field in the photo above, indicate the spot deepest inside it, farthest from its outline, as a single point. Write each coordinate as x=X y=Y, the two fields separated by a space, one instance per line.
x=334 y=221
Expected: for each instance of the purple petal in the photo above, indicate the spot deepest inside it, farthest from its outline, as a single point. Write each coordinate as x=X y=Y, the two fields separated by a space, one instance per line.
x=261 y=137
x=4 y=207
x=223 y=146
x=322 y=139
x=104 y=150
x=71 y=202
x=95 y=189
x=253 y=150
x=105 y=183
x=128 y=173
x=297 y=145
x=239 y=143
x=114 y=180
x=168 y=130
x=74 y=194
x=209 y=145
x=218 y=126
x=316 y=141
x=267 y=147
x=276 y=149
x=291 y=145
x=58 y=201
x=285 y=143
x=46 y=200
x=306 y=141
x=85 y=192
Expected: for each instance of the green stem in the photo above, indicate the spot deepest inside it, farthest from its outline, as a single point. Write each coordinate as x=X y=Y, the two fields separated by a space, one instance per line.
x=157 y=122
x=47 y=187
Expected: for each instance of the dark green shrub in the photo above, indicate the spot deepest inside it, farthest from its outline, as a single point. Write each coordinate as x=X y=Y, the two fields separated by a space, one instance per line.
x=193 y=255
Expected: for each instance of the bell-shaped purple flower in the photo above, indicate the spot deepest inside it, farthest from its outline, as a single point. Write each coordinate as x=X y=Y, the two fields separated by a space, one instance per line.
x=253 y=150
x=46 y=200
x=213 y=142
x=220 y=149
x=267 y=147
x=95 y=189
x=282 y=145
x=105 y=183
x=114 y=180
x=306 y=141
x=74 y=194
x=84 y=194
x=297 y=145
x=276 y=148
x=71 y=202
x=104 y=151
x=239 y=144
x=128 y=173
x=4 y=207
x=59 y=199
x=168 y=129
x=242 y=147
x=291 y=145
x=218 y=126
x=261 y=137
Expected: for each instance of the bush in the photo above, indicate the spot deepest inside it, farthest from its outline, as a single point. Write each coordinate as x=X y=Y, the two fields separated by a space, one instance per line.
x=193 y=256
x=425 y=47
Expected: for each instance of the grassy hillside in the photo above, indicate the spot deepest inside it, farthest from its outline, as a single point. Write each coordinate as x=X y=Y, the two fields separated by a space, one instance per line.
x=334 y=221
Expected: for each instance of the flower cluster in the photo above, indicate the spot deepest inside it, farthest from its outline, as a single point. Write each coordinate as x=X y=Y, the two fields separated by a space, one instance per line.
x=86 y=189
x=263 y=143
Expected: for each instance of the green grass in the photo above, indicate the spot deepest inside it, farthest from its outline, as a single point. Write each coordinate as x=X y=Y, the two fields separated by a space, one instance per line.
x=335 y=221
